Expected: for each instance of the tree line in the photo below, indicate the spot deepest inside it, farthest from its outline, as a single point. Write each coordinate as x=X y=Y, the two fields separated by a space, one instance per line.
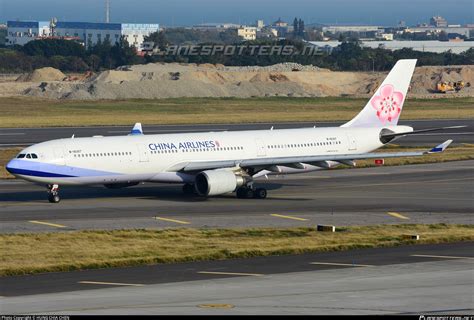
x=348 y=56
x=67 y=56
x=70 y=56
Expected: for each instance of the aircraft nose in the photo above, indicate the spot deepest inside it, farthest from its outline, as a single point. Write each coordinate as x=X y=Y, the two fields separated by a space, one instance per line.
x=10 y=166
x=15 y=167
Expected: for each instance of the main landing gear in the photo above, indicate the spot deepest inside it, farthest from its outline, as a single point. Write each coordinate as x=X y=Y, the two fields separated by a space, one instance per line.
x=251 y=193
x=244 y=192
x=53 y=193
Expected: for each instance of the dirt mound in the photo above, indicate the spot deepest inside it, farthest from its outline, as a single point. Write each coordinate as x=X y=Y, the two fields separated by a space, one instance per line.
x=174 y=80
x=43 y=74
x=426 y=78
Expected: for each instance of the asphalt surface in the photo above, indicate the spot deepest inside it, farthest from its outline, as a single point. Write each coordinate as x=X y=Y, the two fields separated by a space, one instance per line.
x=168 y=273
x=427 y=193
x=10 y=137
x=421 y=279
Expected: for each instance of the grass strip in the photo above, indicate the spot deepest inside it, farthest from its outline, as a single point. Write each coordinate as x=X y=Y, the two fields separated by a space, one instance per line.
x=34 y=112
x=78 y=250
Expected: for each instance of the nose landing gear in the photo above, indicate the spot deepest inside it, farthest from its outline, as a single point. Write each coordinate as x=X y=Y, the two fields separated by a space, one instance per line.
x=53 y=193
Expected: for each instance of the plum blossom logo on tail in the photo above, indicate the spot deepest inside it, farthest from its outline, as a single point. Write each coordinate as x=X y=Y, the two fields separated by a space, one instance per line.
x=388 y=103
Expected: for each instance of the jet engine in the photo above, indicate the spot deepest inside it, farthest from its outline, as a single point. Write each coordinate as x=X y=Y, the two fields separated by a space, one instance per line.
x=215 y=182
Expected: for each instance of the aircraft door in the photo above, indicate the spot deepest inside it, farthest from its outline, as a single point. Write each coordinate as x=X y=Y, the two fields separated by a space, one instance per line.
x=142 y=153
x=261 y=149
x=352 y=142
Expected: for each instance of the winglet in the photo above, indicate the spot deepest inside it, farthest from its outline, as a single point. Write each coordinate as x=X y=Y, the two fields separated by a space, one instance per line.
x=441 y=147
x=137 y=129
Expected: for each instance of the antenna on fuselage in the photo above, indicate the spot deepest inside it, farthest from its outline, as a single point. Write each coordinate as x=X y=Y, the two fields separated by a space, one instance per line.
x=73 y=136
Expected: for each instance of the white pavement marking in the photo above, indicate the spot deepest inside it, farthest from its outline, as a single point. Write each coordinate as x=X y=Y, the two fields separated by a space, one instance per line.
x=442 y=257
x=341 y=264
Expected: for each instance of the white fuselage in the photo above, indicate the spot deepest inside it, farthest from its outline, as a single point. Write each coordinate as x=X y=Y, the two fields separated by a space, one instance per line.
x=151 y=158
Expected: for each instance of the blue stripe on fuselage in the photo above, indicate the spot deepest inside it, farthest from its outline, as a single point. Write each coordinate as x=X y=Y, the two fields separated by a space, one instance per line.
x=41 y=169
x=34 y=173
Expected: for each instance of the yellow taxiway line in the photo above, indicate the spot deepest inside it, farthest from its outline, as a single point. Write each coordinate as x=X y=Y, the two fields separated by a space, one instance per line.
x=288 y=217
x=398 y=215
x=112 y=283
x=231 y=273
x=48 y=224
x=172 y=220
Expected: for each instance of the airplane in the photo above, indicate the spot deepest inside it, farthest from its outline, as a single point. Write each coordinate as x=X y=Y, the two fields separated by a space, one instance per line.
x=216 y=163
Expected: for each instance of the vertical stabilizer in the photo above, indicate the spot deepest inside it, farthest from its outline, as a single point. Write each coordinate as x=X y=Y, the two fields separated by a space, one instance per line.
x=385 y=106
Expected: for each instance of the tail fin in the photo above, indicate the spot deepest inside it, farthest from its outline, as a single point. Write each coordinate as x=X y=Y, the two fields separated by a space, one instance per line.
x=385 y=106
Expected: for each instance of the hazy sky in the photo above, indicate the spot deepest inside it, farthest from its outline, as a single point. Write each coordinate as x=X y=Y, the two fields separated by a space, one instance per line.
x=189 y=12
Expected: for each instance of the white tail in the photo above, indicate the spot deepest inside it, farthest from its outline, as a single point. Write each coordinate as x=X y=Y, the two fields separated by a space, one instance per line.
x=385 y=106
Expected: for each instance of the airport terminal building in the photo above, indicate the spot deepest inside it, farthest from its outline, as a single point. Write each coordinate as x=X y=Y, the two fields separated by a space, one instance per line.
x=22 y=32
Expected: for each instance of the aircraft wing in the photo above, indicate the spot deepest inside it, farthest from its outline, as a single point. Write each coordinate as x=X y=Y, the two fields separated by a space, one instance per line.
x=298 y=160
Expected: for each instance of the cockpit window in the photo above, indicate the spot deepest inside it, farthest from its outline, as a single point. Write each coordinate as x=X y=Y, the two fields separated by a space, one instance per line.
x=34 y=156
x=21 y=156
x=28 y=156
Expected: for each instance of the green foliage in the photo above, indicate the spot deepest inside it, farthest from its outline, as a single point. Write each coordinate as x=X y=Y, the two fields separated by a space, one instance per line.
x=67 y=56
x=349 y=56
x=3 y=37
x=53 y=47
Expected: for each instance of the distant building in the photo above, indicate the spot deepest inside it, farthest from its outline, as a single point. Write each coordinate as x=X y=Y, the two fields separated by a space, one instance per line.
x=461 y=31
x=260 y=24
x=349 y=28
x=216 y=26
x=281 y=27
x=247 y=33
x=424 y=46
x=402 y=24
x=384 y=36
x=22 y=32
x=280 y=23
x=438 y=21
x=266 y=33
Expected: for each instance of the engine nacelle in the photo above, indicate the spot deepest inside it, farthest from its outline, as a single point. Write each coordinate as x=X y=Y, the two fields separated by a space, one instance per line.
x=215 y=182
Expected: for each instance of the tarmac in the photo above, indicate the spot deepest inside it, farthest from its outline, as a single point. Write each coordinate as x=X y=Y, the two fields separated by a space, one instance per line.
x=416 y=279
x=425 y=193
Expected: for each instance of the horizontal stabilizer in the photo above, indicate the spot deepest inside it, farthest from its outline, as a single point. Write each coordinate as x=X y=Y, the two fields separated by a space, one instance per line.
x=137 y=129
x=390 y=135
x=441 y=147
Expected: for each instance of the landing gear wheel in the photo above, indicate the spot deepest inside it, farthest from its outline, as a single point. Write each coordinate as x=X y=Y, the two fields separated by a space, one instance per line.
x=260 y=193
x=53 y=193
x=54 y=198
x=188 y=189
x=249 y=194
x=244 y=193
